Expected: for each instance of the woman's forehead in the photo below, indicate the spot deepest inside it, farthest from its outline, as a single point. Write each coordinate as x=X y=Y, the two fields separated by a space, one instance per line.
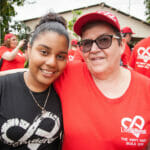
x=97 y=29
x=51 y=39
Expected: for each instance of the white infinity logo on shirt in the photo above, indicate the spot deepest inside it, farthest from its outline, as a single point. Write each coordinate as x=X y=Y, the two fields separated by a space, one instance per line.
x=137 y=122
x=144 y=53
x=31 y=129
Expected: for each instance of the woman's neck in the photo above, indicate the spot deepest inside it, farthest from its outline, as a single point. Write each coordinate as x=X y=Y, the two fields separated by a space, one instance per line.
x=108 y=75
x=115 y=84
x=32 y=85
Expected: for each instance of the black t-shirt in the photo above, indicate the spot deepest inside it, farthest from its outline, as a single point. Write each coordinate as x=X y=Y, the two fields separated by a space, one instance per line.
x=22 y=125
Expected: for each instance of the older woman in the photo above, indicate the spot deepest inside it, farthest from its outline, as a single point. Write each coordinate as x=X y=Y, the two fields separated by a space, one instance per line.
x=11 y=55
x=105 y=106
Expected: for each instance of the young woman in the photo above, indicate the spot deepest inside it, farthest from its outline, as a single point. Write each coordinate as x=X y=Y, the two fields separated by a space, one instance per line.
x=30 y=110
x=11 y=55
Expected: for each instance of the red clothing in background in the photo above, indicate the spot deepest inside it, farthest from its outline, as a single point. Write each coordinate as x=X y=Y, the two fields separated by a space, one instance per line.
x=17 y=62
x=140 y=58
x=78 y=56
x=71 y=54
x=125 y=57
x=75 y=55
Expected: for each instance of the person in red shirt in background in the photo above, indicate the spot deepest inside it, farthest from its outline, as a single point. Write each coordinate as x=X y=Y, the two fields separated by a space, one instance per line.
x=71 y=52
x=12 y=56
x=140 y=58
x=127 y=35
x=74 y=54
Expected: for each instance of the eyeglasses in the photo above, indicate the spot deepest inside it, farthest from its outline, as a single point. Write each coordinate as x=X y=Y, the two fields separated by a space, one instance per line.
x=102 y=41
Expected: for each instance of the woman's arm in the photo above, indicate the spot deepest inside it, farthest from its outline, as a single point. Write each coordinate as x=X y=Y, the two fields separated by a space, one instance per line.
x=11 y=55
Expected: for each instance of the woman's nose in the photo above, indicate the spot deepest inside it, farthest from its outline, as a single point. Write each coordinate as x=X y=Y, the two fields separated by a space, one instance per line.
x=51 y=61
x=94 y=47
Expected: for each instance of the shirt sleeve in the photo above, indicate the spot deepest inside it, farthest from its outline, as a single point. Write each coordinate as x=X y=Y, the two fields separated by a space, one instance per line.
x=3 y=49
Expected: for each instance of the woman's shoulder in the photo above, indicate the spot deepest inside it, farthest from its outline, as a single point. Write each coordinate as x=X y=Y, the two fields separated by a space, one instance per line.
x=3 y=48
x=139 y=78
x=73 y=71
x=75 y=65
x=11 y=78
x=144 y=42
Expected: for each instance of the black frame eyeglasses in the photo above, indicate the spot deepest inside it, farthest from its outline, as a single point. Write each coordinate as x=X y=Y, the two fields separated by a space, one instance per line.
x=102 y=41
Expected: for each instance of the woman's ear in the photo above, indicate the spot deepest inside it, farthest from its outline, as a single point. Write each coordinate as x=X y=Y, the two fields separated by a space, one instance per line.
x=122 y=45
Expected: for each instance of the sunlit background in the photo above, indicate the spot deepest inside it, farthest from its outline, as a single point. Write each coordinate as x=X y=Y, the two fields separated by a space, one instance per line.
x=37 y=8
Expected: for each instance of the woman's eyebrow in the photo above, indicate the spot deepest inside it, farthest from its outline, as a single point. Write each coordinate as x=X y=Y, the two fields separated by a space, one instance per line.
x=49 y=48
x=45 y=46
x=63 y=52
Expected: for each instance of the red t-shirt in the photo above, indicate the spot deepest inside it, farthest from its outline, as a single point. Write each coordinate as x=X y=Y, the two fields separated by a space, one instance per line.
x=71 y=54
x=78 y=56
x=17 y=62
x=125 y=57
x=93 y=121
x=75 y=55
x=140 y=58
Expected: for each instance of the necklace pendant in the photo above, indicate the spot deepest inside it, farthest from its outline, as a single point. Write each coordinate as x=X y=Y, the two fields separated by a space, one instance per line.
x=43 y=111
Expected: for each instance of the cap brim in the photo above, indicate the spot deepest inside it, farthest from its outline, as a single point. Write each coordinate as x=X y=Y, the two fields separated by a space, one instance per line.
x=90 y=18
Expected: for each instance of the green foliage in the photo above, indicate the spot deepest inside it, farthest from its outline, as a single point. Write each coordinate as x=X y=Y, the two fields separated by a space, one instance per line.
x=22 y=29
x=147 y=12
x=7 y=11
x=76 y=14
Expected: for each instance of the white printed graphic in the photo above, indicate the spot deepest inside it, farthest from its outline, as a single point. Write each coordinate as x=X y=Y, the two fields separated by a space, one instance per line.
x=135 y=127
x=31 y=129
x=20 y=54
x=144 y=53
x=108 y=14
x=71 y=57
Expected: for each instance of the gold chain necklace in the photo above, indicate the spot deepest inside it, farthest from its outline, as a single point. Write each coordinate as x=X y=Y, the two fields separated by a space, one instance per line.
x=41 y=107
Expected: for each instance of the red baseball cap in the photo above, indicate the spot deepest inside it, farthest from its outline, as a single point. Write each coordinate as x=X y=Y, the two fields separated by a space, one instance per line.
x=96 y=16
x=127 y=30
x=74 y=42
x=8 y=36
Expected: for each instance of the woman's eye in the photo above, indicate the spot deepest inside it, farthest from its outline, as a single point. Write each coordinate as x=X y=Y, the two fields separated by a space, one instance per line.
x=104 y=40
x=44 y=52
x=61 y=57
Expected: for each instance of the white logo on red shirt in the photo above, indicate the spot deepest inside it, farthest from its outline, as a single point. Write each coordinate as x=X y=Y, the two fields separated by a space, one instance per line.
x=134 y=126
x=19 y=54
x=144 y=53
x=71 y=58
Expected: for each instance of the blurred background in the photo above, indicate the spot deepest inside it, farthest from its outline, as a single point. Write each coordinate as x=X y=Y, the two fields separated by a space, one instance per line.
x=21 y=16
